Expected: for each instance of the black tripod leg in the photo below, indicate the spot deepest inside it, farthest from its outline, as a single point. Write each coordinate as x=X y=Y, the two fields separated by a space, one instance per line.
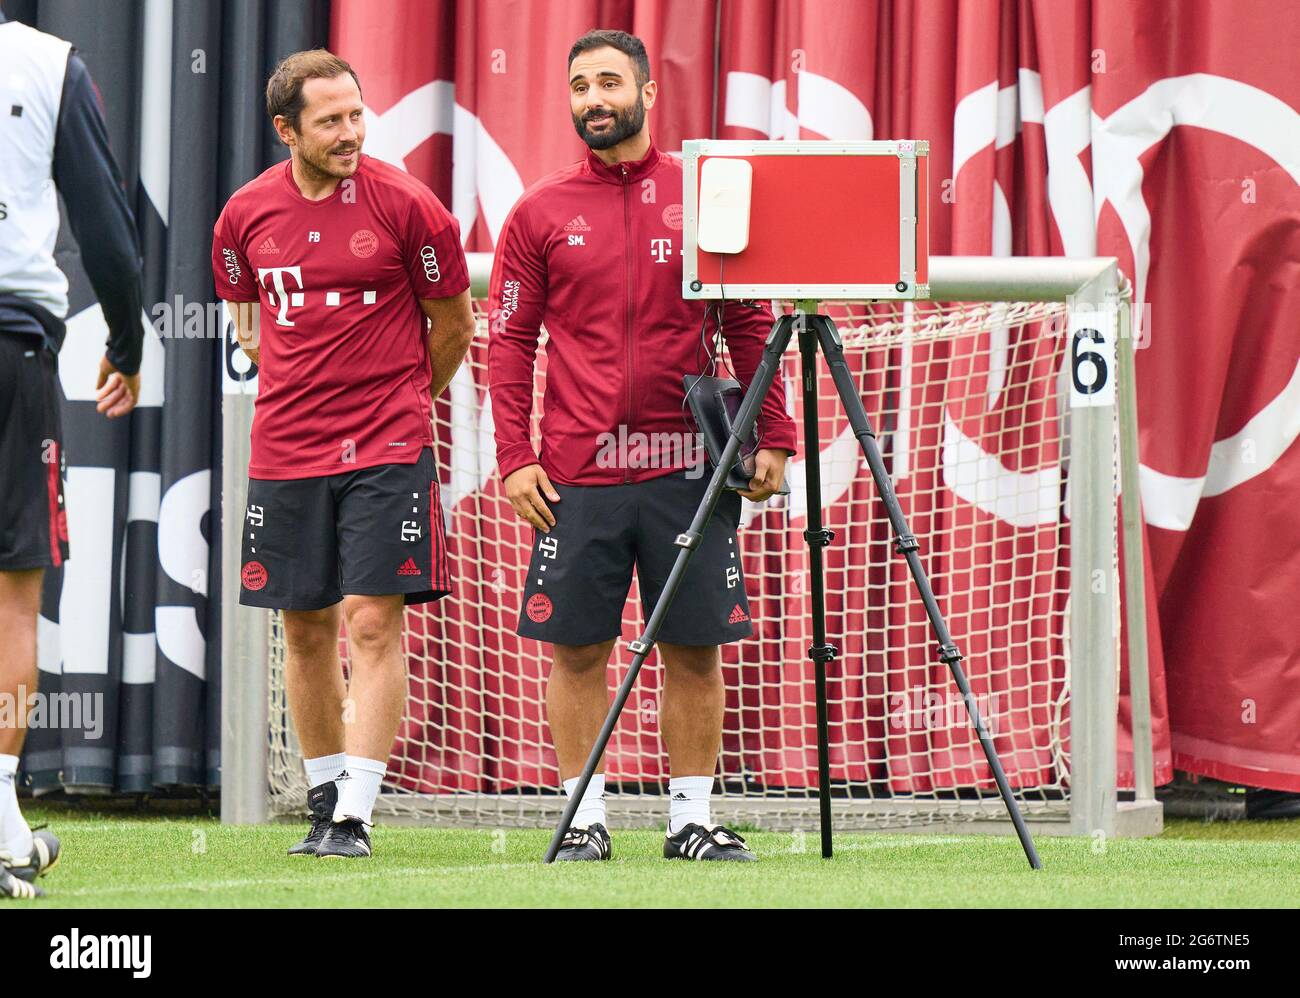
x=777 y=341
x=906 y=545
x=817 y=537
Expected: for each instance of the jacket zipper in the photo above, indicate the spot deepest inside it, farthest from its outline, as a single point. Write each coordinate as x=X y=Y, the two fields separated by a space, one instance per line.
x=627 y=310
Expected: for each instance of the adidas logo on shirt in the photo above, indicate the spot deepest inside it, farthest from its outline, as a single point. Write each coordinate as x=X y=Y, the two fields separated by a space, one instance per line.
x=737 y=616
x=409 y=568
x=577 y=224
x=268 y=246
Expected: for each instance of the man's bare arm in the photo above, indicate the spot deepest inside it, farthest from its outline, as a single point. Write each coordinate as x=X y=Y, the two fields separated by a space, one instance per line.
x=451 y=330
x=246 y=315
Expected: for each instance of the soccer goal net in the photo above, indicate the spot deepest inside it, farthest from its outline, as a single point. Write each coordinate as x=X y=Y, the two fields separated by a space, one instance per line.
x=999 y=407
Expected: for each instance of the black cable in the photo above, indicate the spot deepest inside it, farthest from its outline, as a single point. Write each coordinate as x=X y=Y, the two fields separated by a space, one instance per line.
x=711 y=355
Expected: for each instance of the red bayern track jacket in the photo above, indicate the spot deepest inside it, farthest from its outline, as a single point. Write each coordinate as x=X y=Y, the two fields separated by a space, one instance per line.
x=593 y=252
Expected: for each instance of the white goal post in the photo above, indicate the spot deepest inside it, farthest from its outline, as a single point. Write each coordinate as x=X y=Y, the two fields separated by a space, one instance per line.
x=1005 y=411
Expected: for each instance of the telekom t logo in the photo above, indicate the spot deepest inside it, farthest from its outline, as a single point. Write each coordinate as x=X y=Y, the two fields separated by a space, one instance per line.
x=279 y=297
x=660 y=248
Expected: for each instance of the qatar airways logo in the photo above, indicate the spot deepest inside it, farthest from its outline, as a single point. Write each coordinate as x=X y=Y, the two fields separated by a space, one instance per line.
x=280 y=299
x=508 y=307
x=509 y=299
x=232 y=265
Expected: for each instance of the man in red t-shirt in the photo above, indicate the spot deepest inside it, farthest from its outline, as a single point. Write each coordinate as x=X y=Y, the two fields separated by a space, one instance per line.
x=352 y=260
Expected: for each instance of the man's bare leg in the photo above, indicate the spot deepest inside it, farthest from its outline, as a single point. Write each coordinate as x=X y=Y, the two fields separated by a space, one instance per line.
x=313 y=680
x=577 y=700
x=690 y=716
x=345 y=730
x=377 y=691
x=20 y=602
x=350 y=727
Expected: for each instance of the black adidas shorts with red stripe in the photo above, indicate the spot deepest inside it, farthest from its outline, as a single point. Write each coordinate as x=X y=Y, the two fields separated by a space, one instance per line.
x=33 y=518
x=377 y=531
x=580 y=572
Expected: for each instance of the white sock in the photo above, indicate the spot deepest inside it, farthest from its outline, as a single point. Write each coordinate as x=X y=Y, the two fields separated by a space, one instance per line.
x=324 y=768
x=15 y=836
x=690 y=802
x=358 y=787
x=592 y=809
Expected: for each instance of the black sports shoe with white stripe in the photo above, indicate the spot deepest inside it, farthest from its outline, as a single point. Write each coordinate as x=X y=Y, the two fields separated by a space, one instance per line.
x=320 y=802
x=44 y=857
x=585 y=844
x=346 y=839
x=697 y=842
x=12 y=887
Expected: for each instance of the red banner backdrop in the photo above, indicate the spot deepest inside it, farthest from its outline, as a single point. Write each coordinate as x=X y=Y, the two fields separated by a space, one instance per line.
x=1163 y=133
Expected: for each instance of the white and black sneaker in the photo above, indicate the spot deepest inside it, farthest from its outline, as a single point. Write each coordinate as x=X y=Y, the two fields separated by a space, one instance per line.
x=584 y=844
x=13 y=887
x=346 y=839
x=716 y=843
x=320 y=803
x=44 y=857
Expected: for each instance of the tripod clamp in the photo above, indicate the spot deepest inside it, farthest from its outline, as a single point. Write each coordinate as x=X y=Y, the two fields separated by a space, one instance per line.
x=904 y=543
x=823 y=653
x=820 y=537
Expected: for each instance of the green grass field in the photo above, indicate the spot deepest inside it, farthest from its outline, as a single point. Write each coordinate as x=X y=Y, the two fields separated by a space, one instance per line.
x=112 y=860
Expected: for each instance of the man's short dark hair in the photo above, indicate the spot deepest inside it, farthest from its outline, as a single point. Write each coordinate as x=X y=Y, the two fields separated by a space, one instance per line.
x=284 y=88
x=630 y=45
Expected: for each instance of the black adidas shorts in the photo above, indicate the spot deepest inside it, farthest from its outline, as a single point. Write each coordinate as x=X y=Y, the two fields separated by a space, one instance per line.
x=580 y=573
x=371 y=532
x=33 y=518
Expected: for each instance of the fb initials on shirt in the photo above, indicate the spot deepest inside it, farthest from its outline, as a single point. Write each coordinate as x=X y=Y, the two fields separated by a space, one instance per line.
x=279 y=298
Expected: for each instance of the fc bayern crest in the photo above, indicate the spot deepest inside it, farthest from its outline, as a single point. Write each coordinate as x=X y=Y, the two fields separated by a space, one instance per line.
x=254 y=575
x=364 y=243
x=539 y=608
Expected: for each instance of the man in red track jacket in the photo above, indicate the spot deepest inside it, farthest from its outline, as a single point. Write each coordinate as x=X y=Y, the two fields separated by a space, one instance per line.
x=593 y=253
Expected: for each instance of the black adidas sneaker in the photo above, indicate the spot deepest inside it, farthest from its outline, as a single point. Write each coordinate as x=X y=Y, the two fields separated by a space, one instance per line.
x=697 y=842
x=44 y=857
x=581 y=845
x=320 y=804
x=12 y=887
x=346 y=839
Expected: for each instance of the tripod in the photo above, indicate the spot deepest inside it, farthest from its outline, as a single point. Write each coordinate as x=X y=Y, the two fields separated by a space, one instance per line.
x=814 y=329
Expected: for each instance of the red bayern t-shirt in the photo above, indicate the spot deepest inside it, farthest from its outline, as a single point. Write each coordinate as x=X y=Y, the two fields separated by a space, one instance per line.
x=344 y=375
